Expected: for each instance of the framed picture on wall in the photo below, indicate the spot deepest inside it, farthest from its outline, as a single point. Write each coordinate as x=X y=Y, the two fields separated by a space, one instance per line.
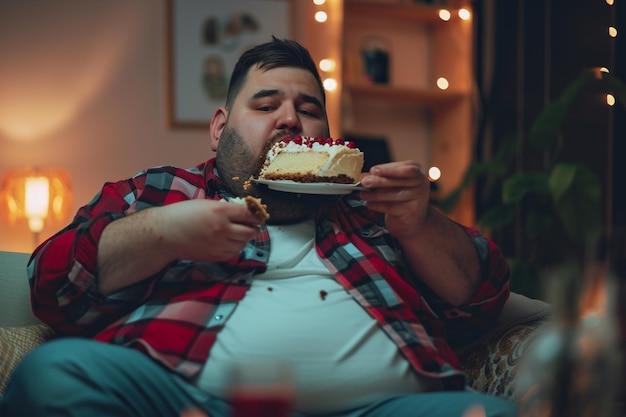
x=204 y=41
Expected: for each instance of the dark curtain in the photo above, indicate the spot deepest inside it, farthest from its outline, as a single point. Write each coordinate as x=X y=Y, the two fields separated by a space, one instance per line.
x=527 y=53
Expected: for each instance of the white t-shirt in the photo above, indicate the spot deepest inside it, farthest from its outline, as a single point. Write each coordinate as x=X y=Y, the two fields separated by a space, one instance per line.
x=298 y=314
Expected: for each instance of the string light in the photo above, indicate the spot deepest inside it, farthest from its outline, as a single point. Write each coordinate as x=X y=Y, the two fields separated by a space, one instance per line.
x=434 y=173
x=612 y=31
x=327 y=64
x=330 y=84
x=442 y=83
x=610 y=99
x=444 y=15
x=609 y=2
x=321 y=17
x=464 y=14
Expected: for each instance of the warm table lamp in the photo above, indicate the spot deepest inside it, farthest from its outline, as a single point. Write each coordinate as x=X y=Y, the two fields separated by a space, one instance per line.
x=36 y=195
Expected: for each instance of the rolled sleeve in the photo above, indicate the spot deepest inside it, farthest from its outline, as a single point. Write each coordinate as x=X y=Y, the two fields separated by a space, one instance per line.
x=468 y=320
x=63 y=270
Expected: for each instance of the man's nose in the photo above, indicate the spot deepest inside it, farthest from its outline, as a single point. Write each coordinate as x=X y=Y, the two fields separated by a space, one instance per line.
x=288 y=118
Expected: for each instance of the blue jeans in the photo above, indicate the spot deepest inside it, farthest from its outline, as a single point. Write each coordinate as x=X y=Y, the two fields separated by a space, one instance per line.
x=81 y=377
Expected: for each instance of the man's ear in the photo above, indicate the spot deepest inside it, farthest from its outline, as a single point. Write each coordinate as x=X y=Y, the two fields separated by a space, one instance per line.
x=218 y=122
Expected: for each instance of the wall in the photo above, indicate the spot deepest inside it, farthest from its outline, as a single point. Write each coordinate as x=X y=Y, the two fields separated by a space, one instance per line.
x=83 y=86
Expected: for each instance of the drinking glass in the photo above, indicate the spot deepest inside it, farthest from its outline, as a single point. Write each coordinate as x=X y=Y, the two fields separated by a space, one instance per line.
x=261 y=389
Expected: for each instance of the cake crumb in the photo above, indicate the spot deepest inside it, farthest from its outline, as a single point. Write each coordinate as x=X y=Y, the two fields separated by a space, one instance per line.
x=247 y=183
x=235 y=178
x=270 y=289
x=323 y=295
x=256 y=207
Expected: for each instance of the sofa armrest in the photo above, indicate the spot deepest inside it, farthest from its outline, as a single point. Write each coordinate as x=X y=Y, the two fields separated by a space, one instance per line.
x=15 y=309
x=15 y=343
x=491 y=363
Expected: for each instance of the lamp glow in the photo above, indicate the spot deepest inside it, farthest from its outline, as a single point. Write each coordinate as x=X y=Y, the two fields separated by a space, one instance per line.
x=445 y=14
x=37 y=196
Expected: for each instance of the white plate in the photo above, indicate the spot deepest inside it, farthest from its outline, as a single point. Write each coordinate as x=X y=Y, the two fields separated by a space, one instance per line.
x=310 y=187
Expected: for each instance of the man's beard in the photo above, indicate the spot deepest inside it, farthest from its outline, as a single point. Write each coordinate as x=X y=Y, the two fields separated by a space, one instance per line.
x=237 y=165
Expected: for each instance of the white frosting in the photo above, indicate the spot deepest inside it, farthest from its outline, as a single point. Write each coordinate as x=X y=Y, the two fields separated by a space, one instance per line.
x=293 y=147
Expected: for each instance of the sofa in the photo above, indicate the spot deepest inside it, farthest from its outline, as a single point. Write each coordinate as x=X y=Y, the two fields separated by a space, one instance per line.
x=491 y=361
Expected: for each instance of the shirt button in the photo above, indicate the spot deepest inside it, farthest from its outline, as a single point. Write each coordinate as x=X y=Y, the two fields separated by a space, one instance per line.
x=446 y=367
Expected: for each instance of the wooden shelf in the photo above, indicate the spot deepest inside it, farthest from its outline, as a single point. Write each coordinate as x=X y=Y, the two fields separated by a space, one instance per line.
x=430 y=97
x=412 y=12
x=419 y=121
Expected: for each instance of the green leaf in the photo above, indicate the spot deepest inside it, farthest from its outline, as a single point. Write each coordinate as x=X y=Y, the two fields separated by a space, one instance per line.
x=482 y=168
x=546 y=127
x=561 y=179
x=497 y=217
x=577 y=193
x=520 y=184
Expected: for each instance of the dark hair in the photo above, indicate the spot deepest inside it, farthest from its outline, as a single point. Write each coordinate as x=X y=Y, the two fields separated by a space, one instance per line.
x=276 y=53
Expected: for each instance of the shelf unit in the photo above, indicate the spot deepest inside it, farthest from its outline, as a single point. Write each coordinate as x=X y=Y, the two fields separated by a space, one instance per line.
x=419 y=120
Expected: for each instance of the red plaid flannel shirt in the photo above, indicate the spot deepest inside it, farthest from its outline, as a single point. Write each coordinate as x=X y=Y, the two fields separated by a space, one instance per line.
x=175 y=315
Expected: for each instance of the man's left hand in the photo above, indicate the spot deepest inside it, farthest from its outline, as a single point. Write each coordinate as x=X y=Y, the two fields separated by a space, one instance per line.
x=401 y=190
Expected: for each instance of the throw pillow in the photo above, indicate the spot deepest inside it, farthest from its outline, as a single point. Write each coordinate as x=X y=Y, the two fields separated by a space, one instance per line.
x=15 y=343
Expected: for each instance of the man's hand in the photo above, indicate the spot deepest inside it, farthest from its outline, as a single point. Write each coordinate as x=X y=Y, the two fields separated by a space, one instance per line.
x=437 y=249
x=402 y=192
x=206 y=230
x=139 y=245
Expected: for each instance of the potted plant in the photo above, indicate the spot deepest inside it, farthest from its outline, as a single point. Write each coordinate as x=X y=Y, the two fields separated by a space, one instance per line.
x=558 y=204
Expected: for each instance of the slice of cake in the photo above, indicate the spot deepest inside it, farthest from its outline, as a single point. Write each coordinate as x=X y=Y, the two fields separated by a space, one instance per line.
x=305 y=159
x=254 y=205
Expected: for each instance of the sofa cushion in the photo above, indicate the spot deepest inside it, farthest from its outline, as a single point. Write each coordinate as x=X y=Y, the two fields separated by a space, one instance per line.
x=15 y=343
x=492 y=361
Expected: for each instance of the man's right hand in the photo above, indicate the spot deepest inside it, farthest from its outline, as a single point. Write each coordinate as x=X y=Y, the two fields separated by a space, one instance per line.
x=206 y=230
x=141 y=244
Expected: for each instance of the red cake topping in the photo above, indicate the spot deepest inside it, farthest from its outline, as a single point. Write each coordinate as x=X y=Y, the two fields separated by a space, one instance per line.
x=309 y=141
